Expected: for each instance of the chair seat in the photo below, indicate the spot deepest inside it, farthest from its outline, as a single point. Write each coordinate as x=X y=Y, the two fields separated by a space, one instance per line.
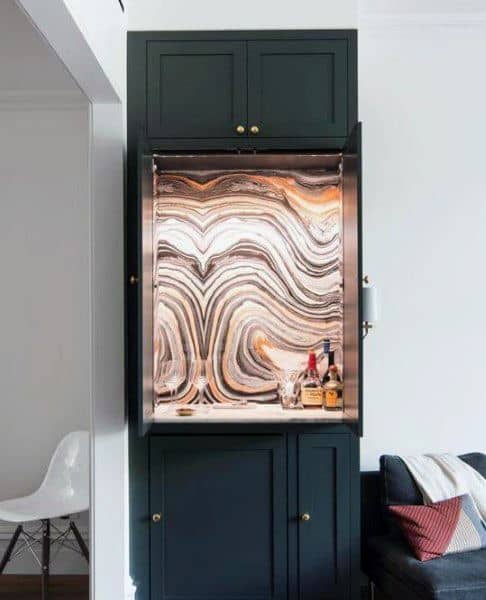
x=42 y=505
x=391 y=564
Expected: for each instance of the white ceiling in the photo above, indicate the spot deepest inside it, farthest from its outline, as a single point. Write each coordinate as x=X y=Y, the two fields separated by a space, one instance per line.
x=27 y=62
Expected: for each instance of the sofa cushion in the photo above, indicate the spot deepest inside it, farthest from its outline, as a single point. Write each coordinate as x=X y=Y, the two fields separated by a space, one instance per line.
x=451 y=577
x=445 y=527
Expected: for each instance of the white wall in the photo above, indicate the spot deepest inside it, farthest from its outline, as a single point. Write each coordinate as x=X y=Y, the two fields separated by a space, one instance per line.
x=252 y=14
x=44 y=316
x=422 y=99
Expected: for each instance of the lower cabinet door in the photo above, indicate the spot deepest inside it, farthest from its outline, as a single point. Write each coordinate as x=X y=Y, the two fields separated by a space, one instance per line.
x=324 y=517
x=222 y=531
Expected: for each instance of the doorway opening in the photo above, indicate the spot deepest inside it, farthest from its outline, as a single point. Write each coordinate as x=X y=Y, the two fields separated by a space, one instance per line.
x=45 y=316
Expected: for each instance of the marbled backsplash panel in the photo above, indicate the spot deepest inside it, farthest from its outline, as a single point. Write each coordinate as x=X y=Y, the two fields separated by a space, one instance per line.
x=248 y=272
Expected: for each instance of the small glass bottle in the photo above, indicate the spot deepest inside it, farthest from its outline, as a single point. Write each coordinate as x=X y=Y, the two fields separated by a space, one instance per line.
x=310 y=387
x=333 y=391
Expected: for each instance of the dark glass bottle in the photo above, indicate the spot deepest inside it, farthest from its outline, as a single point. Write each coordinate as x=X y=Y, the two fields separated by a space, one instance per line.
x=330 y=363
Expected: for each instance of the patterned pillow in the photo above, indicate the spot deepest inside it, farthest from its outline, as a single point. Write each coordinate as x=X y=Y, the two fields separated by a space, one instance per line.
x=441 y=528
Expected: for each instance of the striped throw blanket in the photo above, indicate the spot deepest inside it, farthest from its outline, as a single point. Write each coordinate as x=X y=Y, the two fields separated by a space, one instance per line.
x=444 y=476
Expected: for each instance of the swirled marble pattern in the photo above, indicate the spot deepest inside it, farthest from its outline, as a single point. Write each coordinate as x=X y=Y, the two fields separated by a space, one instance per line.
x=247 y=272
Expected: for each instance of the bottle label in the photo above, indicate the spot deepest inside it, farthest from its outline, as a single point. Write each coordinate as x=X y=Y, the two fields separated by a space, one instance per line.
x=311 y=396
x=332 y=399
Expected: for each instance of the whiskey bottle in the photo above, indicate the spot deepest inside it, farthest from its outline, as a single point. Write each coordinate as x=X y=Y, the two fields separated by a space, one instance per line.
x=333 y=391
x=330 y=360
x=330 y=363
x=310 y=387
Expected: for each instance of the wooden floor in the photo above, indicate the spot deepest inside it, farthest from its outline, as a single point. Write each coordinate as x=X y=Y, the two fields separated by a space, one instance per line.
x=22 y=587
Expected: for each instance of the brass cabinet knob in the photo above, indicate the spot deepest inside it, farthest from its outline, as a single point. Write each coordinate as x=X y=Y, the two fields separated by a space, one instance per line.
x=240 y=129
x=133 y=280
x=156 y=517
x=255 y=129
x=305 y=517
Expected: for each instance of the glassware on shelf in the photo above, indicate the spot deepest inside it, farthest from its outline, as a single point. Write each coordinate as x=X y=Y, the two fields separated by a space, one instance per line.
x=199 y=369
x=172 y=378
x=287 y=382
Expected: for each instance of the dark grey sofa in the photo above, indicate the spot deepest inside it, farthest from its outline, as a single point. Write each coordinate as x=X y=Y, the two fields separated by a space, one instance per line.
x=386 y=558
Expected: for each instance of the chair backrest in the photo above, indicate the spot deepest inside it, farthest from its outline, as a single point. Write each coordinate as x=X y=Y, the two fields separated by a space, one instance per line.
x=68 y=472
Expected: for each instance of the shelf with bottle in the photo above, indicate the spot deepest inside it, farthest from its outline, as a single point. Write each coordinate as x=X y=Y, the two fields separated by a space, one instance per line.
x=252 y=413
x=325 y=392
x=332 y=382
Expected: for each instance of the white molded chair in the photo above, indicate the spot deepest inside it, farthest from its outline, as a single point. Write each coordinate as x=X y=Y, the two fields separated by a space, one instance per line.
x=64 y=492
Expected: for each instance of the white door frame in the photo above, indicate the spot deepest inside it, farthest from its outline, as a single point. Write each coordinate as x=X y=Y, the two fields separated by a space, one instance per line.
x=108 y=543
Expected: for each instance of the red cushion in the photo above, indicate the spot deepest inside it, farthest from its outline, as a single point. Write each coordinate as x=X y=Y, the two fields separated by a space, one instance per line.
x=429 y=529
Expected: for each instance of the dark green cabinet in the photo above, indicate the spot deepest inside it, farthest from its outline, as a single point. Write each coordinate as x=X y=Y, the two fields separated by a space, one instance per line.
x=298 y=88
x=222 y=532
x=233 y=499
x=196 y=89
x=248 y=89
x=250 y=517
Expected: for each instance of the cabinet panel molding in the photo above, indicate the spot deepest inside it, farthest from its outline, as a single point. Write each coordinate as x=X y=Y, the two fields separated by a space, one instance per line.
x=298 y=88
x=196 y=89
x=222 y=532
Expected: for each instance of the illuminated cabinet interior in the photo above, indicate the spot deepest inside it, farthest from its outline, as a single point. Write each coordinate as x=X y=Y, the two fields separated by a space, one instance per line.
x=247 y=277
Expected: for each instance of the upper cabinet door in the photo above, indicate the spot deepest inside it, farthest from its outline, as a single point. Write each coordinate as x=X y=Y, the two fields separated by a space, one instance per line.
x=298 y=88
x=196 y=89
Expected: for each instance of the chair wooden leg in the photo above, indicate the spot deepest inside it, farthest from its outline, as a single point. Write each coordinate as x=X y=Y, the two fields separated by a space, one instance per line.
x=10 y=548
x=79 y=539
x=46 y=552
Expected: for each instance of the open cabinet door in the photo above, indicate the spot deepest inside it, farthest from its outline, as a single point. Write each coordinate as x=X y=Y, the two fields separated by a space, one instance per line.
x=352 y=342
x=142 y=280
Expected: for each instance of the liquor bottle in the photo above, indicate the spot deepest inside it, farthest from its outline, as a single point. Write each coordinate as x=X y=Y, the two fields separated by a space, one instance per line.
x=333 y=395
x=310 y=387
x=330 y=363
x=330 y=360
